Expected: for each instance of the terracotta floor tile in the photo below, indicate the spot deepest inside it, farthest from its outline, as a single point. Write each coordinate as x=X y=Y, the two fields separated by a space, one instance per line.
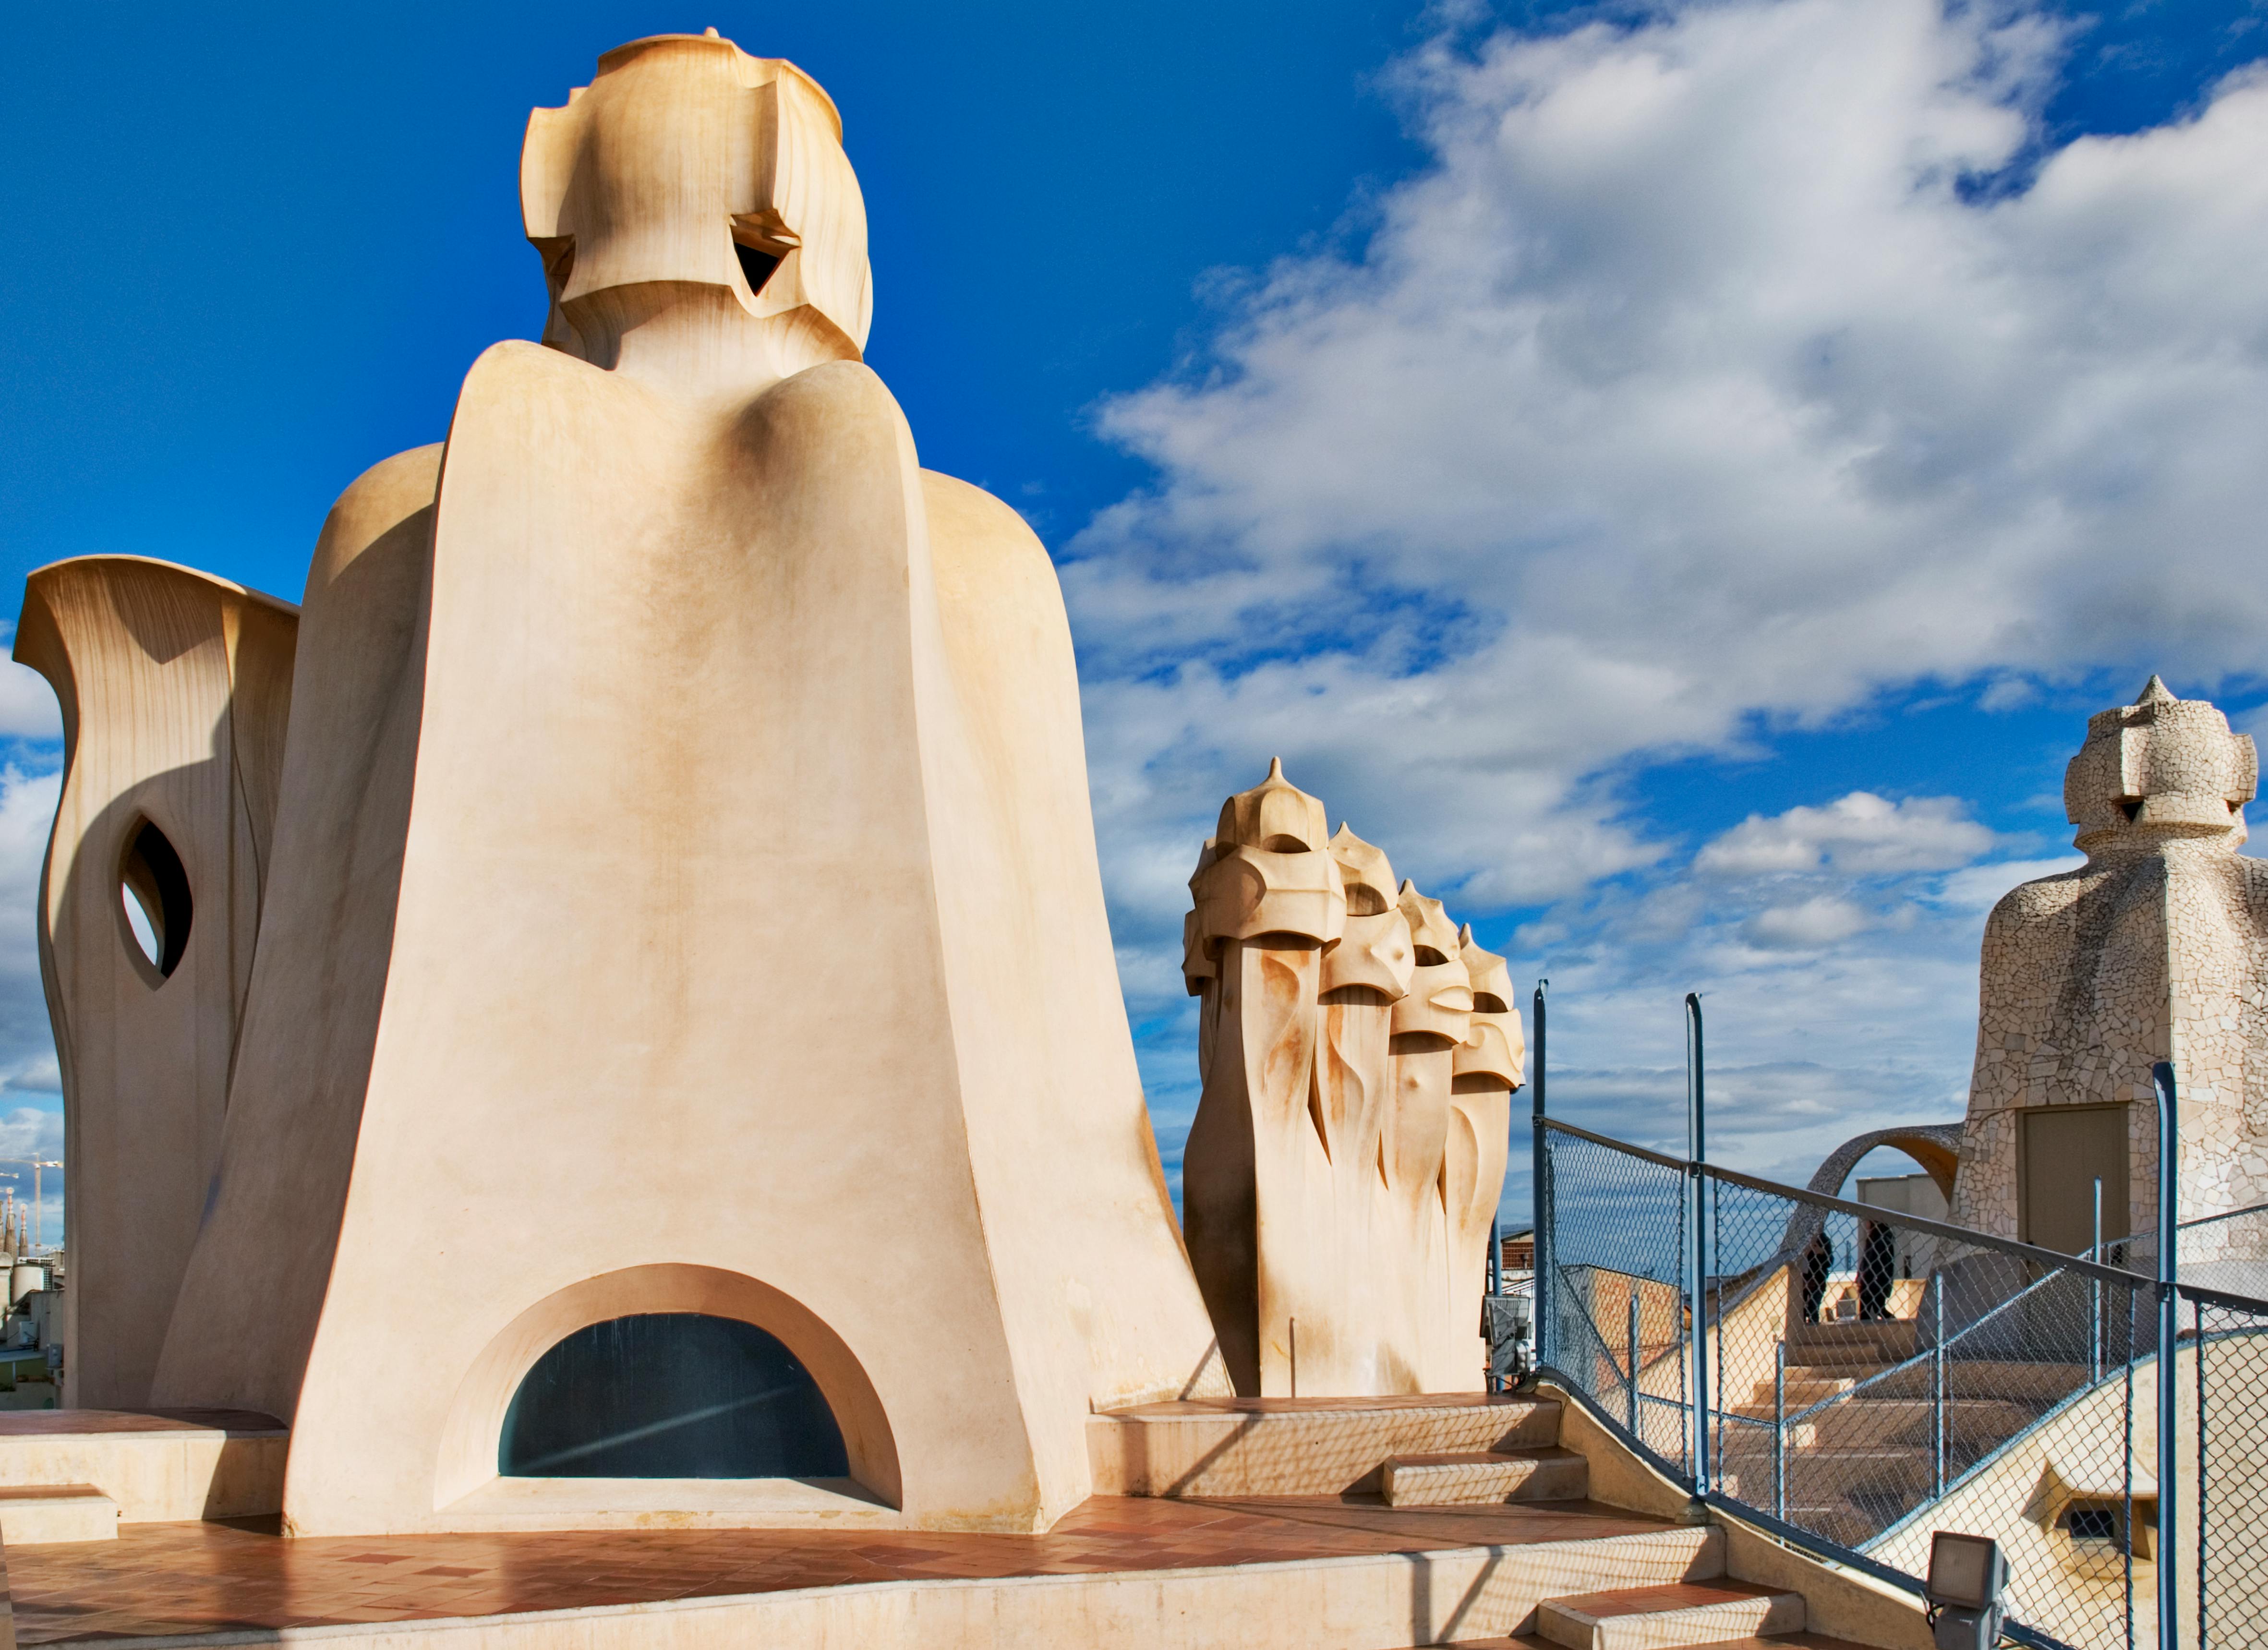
x=162 y=1580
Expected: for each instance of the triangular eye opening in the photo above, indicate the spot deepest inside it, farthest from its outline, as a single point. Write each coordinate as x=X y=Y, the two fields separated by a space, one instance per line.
x=757 y=266
x=154 y=885
x=761 y=240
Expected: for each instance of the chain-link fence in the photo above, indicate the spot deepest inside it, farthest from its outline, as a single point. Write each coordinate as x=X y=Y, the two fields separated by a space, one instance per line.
x=1869 y=1377
x=2229 y=1435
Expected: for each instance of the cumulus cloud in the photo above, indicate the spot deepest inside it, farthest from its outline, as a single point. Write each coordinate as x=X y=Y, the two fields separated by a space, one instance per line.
x=27 y=812
x=1862 y=832
x=1806 y=924
x=27 y=1057
x=1979 y=888
x=1720 y=372
x=27 y=704
x=1714 y=369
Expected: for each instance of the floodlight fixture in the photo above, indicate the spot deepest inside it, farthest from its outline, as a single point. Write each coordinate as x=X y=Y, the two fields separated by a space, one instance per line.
x=1506 y=1323
x=1967 y=1576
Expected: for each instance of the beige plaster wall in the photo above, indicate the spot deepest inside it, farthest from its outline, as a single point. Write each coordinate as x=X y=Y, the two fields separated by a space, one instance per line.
x=686 y=803
x=176 y=690
x=748 y=863
x=256 y=1282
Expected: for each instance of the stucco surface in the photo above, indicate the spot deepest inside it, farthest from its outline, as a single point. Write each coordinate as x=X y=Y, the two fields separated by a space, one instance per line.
x=175 y=688
x=1358 y=1053
x=684 y=800
x=2156 y=949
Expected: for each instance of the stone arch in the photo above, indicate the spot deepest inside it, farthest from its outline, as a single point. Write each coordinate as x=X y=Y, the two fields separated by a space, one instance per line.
x=476 y=1413
x=1936 y=1146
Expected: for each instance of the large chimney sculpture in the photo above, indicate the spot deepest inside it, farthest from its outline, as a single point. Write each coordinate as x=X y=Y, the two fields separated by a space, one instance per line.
x=1358 y=1053
x=666 y=782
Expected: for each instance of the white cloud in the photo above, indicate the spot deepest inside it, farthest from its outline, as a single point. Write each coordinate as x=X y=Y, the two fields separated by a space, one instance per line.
x=1698 y=388
x=1806 y=924
x=27 y=814
x=1859 y=833
x=1689 y=383
x=27 y=704
x=28 y=1053
x=1979 y=888
x=37 y=1075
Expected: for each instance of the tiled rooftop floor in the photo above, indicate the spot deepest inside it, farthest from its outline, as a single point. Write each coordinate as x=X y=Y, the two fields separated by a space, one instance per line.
x=159 y=1580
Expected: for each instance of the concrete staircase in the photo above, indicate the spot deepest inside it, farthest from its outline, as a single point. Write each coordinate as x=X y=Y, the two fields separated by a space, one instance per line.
x=1647 y=1588
x=77 y=1475
x=34 y=1514
x=1863 y=1464
x=1666 y=1617
x=1478 y=1477
x=1449 y=1449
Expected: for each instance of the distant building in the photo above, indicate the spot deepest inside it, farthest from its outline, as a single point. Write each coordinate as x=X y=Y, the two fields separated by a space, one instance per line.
x=1518 y=1250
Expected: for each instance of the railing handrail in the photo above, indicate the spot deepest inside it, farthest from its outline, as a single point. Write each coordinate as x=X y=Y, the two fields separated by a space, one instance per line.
x=1597 y=1215
x=2209 y=1219
x=1928 y=1227
x=2227 y=1300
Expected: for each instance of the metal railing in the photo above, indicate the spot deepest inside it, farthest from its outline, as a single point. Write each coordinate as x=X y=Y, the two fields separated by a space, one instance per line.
x=1853 y=1378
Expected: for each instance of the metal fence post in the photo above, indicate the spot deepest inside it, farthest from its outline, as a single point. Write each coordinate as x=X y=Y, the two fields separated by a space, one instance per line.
x=1717 y=1412
x=1696 y=1256
x=2126 y=1527
x=1632 y=1366
x=2205 y=1532
x=1937 y=1384
x=2161 y=1075
x=2095 y=1297
x=1780 y=1431
x=1539 y=1288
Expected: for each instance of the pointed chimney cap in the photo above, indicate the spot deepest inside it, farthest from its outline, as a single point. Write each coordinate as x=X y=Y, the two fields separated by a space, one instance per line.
x=2154 y=692
x=1275 y=815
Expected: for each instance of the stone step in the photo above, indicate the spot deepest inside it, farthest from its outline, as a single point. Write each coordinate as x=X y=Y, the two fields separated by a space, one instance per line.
x=2033 y=1382
x=1664 y=1617
x=1886 y=1343
x=36 y=1514
x=1868 y=1420
x=1239 y=1447
x=1485 y=1477
x=1834 y=1472
x=159 y=1466
x=1801 y=1394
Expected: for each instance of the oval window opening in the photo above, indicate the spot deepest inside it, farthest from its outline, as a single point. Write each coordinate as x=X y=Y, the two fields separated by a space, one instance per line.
x=154 y=889
x=670 y=1395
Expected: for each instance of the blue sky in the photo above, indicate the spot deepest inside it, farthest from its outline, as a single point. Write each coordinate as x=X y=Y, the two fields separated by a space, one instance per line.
x=1675 y=477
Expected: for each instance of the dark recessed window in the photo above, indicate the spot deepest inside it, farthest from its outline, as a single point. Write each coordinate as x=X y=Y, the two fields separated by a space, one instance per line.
x=155 y=890
x=2096 y=1521
x=670 y=1395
